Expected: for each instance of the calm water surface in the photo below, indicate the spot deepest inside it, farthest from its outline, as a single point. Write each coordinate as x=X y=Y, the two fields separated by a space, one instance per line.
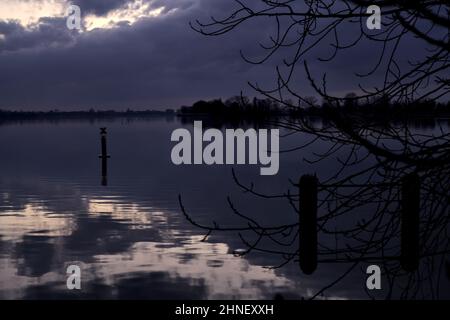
x=130 y=237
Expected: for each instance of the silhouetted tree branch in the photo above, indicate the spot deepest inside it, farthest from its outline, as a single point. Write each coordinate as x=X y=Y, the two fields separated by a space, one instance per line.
x=377 y=157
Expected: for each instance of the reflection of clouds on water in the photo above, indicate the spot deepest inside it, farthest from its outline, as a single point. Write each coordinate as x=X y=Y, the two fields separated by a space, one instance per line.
x=131 y=237
x=41 y=242
x=34 y=219
x=222 y=274
x=121 y=244
x=137 y=216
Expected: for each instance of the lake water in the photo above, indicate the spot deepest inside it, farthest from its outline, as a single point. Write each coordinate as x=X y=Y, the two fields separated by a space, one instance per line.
x=130 y=238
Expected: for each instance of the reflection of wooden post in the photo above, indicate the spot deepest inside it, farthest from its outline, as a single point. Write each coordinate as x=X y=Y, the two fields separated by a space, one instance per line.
x=104 y=156
x=410 y=219
x=308 y=224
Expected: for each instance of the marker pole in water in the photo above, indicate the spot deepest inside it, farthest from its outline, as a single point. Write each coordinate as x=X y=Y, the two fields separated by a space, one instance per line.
x=308 y=223
x=104 y=156
x=410 y=219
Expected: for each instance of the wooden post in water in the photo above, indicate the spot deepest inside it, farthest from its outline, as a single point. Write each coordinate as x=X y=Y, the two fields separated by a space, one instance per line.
x=104 y=156
x=410 y=220
x=308 y=223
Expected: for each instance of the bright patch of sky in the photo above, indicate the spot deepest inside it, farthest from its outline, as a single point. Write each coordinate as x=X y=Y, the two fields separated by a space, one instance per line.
x=130 y=13
x=28 y=12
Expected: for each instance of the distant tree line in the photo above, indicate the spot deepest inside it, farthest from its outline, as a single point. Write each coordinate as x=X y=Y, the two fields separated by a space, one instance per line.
x=234 y=106
x=92 y=113
x=258 y=109
x=376 y=107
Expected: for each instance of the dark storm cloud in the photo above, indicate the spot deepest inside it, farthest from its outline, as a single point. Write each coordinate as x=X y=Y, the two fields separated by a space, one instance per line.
x=50 y=32
x=155 y=63
x=99 y=7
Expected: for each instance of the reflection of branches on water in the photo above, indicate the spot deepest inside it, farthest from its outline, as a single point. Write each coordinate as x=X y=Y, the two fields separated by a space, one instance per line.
x=372 y=161
x=373 y=239
x=371 y=195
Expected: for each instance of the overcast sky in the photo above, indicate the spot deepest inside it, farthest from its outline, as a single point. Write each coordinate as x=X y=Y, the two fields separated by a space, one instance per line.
x=140 y=54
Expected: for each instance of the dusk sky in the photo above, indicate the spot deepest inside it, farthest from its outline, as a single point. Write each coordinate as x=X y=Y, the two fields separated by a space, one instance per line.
x=141 y=54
